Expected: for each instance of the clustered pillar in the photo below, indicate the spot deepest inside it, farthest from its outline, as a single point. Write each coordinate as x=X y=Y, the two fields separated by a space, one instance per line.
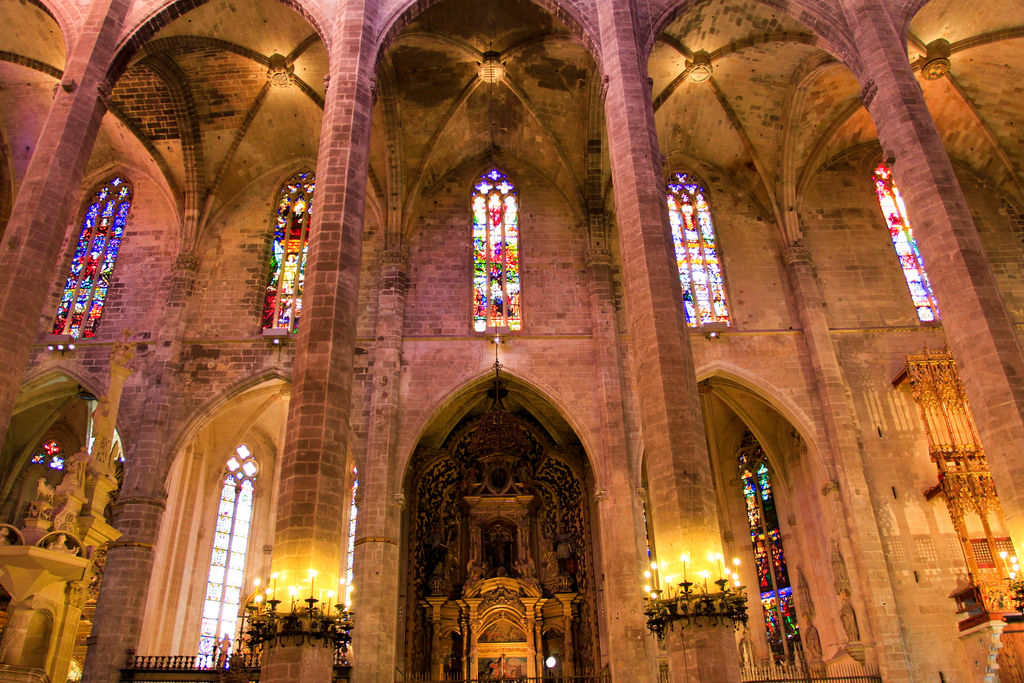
x=310 y=508
x=683 y=508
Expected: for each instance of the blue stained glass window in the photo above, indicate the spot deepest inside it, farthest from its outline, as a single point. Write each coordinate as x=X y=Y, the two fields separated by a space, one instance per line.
x=697 y=257
x=282 y=301
x=227 y=559
x=92 y=264
x=895 y=213
x=774 y=586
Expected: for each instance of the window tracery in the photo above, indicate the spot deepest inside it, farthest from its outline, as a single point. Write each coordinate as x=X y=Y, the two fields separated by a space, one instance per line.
x=895 y=212
x=774 y=587
x=230 y=547
x=92 y=264
x=49 y=453
x=282 y=302
x=696 y=249
x=496 y=283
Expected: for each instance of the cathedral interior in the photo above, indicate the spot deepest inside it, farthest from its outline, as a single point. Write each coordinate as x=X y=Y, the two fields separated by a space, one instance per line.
x=468 y=340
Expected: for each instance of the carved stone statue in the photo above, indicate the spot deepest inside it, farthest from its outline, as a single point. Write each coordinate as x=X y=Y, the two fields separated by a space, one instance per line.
x=849 y=619
x=841 y=578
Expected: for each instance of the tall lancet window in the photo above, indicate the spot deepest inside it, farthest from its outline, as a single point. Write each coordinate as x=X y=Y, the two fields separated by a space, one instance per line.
x=92 y=265
x=287 y=273
x=895 y=212
x=496 y=287
x=350 y=554
x=700 y=268
x=230 y=546
x=774 y=587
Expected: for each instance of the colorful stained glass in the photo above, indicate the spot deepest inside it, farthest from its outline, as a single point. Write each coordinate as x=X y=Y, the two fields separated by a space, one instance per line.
x=350 y=555
x=287 y=272
x=496 y=285
x=227 y=559
x=49 y=453
x=697 y=258
x=92 y=264
x=895 y=213
x=769 y=555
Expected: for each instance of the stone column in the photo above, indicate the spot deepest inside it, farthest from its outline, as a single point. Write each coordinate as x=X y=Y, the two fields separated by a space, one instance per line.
x=434 y=604
x=854 y=516
x=569 y=655
x=153 y=400
x=623 y=555
x=119 y=609
x=378 y=528
x=308 y=534
x=683 y=507
x=50 y=193
x=978 y=328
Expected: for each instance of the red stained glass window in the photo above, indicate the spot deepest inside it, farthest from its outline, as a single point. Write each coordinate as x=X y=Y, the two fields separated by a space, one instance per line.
x=496 y=286
x=287 y=271
x=696 y=248
x=895 y=213
x=775 y=590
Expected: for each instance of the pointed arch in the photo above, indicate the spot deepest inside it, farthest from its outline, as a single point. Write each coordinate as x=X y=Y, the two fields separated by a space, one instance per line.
x=697 y=254
x=497 y=292
x=103 y=226
x=230 y=549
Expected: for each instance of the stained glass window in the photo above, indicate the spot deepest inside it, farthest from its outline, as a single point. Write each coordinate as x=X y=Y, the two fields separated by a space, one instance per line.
x=697 y=258
x=496 y=286
x=230 y=546
x=350 y=554
x=774 y=586
x=50 y=454
x=287 y=272
x=895 y=212
x=92 y=264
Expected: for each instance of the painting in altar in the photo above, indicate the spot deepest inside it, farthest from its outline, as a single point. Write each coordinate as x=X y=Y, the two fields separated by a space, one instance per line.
x=502 y=668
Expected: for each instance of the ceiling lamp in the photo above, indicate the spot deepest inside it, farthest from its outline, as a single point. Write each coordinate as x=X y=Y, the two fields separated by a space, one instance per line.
x=279 y=71
x=700 y=66
x=935 y=63
x=491 y=69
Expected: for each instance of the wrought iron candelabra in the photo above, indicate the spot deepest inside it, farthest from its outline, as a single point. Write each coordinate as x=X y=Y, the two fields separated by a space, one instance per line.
x=309 y=624
x=698 y=608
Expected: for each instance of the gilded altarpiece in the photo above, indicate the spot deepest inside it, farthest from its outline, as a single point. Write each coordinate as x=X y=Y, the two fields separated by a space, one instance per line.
x=500 y=570
x=964 y=483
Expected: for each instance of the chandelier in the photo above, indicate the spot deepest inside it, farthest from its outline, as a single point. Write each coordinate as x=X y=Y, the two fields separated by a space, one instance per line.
x=306 y=623
x=698 y=608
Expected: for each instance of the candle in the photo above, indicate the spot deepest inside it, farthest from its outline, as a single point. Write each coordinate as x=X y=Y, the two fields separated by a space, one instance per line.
x=686 y=559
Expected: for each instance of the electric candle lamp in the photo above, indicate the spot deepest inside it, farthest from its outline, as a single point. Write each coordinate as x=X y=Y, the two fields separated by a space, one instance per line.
x=686 y=560
x=647 y=589
x=647 y=573
x=654 y=565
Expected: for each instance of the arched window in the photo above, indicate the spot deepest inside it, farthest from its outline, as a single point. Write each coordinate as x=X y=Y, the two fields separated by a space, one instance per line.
x=92 y=266
x=700 y=269
x=350 y=554
x=895 y=212
x=774 y=587
x=287 y=272
x=230 y=546
x=496 y=287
